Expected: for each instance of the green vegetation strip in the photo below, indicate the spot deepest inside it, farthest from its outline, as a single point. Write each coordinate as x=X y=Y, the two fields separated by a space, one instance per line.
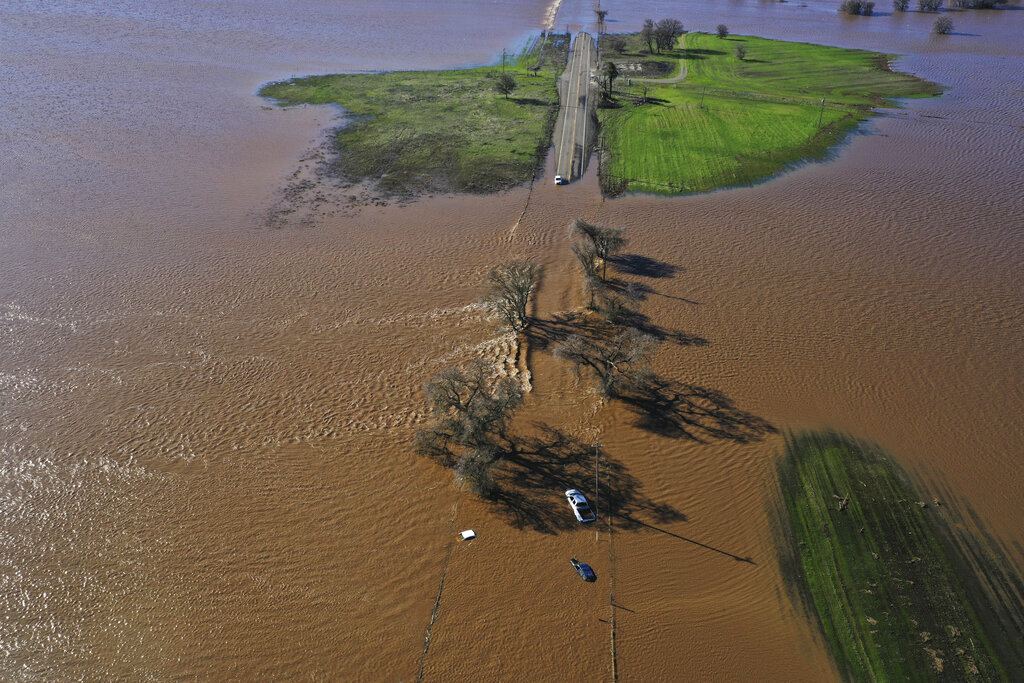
x=733 y=121
x=867 y=554
x=439 y=131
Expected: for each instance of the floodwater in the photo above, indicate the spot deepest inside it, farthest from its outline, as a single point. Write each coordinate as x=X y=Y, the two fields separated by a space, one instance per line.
x=206 y=423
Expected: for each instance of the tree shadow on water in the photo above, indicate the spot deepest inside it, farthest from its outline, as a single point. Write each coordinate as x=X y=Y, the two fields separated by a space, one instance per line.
x=689 y=411
x=544 y=332
x=535 y=475
x=639 y=321
x=642 y=266
x=547 y=332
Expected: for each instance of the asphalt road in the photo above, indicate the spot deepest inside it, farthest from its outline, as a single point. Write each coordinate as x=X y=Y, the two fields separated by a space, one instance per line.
x=575 y=128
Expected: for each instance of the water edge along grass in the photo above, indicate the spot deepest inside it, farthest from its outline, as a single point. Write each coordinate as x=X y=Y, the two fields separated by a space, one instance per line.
x=868 y=557
x=733 y=121
x=411 y=132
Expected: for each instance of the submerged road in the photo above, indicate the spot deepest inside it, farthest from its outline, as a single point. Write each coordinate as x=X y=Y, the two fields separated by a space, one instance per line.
x=575 y=127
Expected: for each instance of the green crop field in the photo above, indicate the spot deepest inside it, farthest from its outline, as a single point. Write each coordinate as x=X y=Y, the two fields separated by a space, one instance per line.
x=866 y=552
x=438 y=131
x=733 y=121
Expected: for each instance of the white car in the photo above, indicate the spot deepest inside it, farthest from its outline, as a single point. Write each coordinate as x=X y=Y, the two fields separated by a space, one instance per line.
x=580 y=506
x=559 y=180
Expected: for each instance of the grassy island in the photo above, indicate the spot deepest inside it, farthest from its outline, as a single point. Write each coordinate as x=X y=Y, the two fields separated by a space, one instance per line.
x=411 y=132
x=868 y=556
x=736 y=120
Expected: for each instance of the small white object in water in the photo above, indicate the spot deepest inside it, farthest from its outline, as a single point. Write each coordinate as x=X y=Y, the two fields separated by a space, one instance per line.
x=467 y=535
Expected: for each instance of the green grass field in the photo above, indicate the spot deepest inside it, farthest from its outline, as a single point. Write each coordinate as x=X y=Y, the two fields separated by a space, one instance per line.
x=867 y=555
x=439 y=131
x=733 y=122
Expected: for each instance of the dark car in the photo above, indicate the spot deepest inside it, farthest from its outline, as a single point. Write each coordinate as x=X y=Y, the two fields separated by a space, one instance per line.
x=583 y=569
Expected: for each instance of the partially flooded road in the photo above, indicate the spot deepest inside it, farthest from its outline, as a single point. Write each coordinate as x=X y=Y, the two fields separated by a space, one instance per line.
x=576 y=126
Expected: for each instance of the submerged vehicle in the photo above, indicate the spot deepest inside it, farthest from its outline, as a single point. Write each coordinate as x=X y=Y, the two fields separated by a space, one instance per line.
x=580 y=506
x=583 y=569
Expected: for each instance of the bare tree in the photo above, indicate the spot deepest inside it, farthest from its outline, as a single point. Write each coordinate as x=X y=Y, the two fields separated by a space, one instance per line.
x=587 y=258
x=476 y=468
x=740 y=51
x=723 y=30
x=647 y=33
x=616 y=362
x=506 y=85
x=605 y=241
x=471 y=410
x=508 y=291
x=666 y=32
x=614 y=308
x=471 y=413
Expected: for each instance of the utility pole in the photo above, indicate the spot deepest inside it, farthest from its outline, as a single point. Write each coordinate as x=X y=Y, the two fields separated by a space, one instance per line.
x=821 y=110
x=597 y=489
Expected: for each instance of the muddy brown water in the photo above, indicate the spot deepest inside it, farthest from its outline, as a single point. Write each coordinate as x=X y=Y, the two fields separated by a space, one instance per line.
x=206 y=423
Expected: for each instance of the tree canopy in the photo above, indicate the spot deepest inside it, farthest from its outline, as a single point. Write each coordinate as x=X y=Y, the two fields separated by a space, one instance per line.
x=506 y=85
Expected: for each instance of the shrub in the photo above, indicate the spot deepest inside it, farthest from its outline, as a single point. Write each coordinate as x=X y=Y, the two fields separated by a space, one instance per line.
x=942 y=26
x=506 y=84
x=900 y=5
x=929 y=5
x=978 y=4
x=617 y=43
x=741 y=52
x=855 y=7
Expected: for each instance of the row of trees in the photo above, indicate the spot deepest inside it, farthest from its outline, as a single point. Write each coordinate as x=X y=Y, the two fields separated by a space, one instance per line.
x=616 y=355
x=978 y=4
x=473 y=406
x=470 y=406
x=865 y=8
x=936 y=5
